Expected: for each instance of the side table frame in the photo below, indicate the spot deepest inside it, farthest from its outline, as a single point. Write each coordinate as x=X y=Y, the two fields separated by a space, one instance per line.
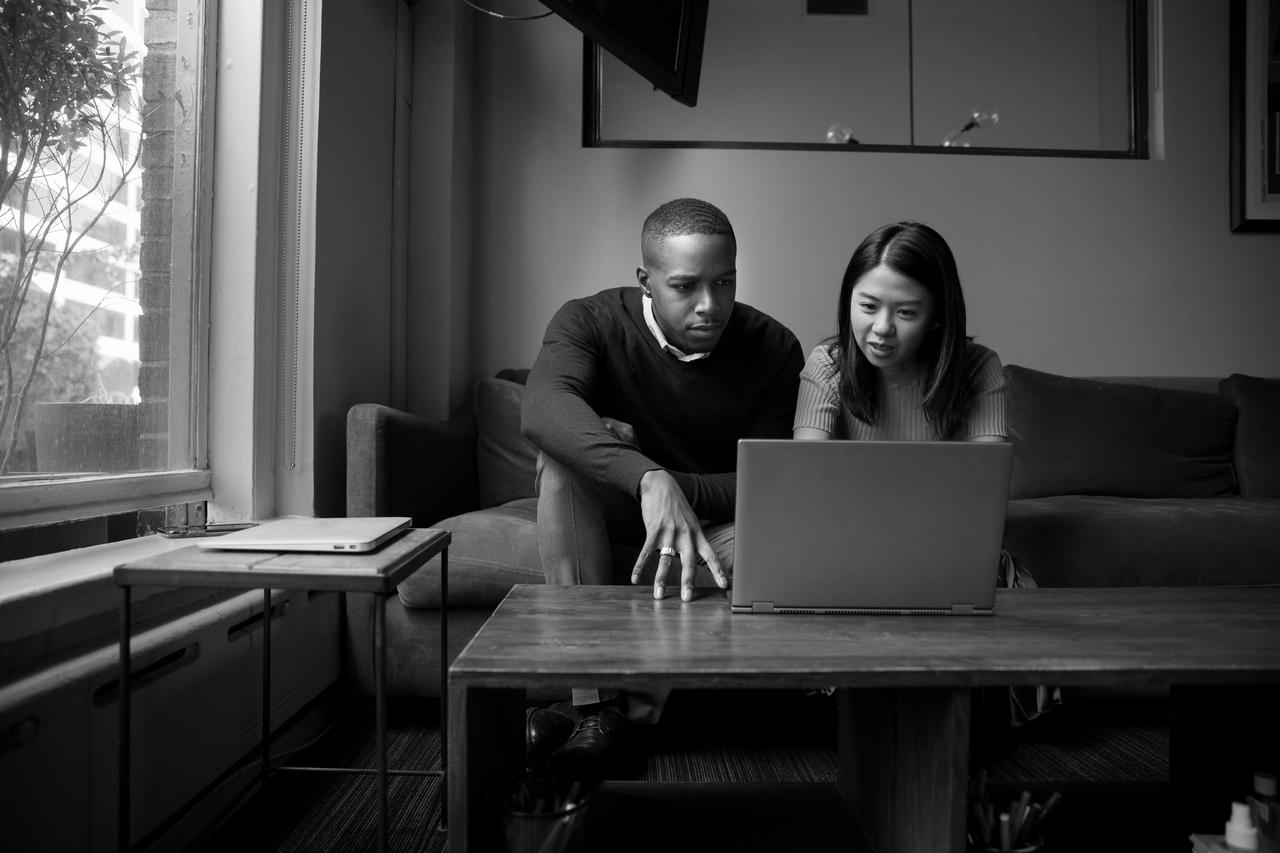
x=254 y=574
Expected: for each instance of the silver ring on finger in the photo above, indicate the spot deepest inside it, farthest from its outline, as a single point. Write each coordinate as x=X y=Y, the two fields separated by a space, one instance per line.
x=668 y=551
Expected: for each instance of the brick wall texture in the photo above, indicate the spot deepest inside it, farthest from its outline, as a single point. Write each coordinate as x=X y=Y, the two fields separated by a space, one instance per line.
x=159 y=82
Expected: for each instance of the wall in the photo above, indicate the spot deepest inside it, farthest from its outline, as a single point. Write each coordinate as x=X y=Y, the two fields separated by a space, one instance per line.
x=1074 y=266
x=440 y=282
x=353 y=229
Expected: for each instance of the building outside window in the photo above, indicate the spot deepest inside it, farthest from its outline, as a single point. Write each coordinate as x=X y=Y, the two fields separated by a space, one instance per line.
x=103 y=258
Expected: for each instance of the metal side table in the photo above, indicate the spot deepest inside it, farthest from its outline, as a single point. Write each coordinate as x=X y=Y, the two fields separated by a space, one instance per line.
x=377 y=572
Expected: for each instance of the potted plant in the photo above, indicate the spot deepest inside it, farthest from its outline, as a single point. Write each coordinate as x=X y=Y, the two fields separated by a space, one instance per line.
x=69 y=144
x=97 y=434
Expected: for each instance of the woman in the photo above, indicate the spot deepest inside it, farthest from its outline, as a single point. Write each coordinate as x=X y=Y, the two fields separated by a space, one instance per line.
x=901 y=366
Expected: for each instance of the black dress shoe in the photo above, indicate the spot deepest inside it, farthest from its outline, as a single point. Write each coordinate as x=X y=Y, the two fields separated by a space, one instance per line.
x=546 y=729
x=597 y=749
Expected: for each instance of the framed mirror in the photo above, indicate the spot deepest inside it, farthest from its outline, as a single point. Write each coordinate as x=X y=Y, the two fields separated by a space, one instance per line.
x=1028 y=77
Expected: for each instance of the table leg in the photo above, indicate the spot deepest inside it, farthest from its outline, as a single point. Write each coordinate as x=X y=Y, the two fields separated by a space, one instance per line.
x=903 y=765
x=380 y=710
x=124 y=724
x=444 y=690
x=486 y=751
x=265 y=769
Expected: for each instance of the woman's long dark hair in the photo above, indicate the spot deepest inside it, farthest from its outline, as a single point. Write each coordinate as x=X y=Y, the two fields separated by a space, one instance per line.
x=919 y=253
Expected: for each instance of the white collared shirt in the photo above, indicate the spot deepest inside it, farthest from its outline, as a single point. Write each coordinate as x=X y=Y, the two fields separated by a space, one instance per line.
x=652 y=323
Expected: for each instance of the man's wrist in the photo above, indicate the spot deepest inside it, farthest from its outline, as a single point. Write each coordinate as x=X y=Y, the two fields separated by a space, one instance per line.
x=648 y=478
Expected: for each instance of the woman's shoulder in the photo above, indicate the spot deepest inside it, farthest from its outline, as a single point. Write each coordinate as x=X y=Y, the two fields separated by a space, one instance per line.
x=978 y=357
x=982 y=365
x=821 y=362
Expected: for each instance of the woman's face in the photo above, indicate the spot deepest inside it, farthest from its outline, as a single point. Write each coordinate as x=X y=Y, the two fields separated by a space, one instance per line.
x=891 y=315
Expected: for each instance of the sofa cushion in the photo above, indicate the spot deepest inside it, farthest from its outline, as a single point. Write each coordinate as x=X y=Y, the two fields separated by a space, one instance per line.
x=504 y=457
x=492 y=549
x=1257 y=453
x=1085 y=437
x=1085 y=540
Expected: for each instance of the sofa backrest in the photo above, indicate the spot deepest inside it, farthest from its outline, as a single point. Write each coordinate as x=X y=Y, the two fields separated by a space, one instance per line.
x=1164 y=436
x=1094 y=437
x=505 y=459
x=1257 y=450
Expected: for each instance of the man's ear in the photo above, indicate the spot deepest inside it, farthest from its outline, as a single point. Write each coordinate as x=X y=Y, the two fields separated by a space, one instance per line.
x=642 y=276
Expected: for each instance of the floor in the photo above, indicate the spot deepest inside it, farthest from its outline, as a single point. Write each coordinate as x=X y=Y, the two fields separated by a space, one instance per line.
x=1114 y=783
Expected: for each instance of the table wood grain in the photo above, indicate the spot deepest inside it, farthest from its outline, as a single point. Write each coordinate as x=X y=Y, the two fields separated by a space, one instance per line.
x=621 y=636
x=905 y=682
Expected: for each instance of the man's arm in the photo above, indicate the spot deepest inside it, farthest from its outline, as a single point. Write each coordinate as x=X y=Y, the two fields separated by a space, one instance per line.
x=710 y=496
x=713 y=496
x=557 y=414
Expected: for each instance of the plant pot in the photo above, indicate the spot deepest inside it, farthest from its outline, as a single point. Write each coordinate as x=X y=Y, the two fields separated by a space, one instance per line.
x=84 y=437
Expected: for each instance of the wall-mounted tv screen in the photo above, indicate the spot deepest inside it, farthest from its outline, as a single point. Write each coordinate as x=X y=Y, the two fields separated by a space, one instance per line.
x=660 y=39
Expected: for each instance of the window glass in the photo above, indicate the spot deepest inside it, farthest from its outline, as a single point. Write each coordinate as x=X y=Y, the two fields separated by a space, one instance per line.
x=100 y=128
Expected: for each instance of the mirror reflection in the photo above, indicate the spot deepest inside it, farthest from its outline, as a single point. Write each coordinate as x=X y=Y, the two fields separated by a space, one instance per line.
x=1007 y=76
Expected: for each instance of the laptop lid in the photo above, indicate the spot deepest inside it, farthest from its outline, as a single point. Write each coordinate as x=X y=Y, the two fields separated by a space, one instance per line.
x=869 y=526
x=312 y=534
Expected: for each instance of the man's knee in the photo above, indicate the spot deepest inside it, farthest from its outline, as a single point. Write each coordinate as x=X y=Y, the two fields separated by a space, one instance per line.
x=721 y=539
x=551 y=477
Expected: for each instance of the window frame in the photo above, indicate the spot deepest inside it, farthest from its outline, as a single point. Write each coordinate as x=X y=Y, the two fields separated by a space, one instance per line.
x=51 y=498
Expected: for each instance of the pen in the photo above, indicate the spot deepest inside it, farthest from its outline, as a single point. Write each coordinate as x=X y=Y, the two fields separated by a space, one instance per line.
x=571 y=799
x=1004 y=831
x=1018 y=813
x=1026 y=832
x=560 y=832
x=1049 y=805
x=983 y=826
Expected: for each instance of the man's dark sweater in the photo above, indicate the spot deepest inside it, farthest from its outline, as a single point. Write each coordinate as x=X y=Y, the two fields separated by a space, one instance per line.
x=599 y=359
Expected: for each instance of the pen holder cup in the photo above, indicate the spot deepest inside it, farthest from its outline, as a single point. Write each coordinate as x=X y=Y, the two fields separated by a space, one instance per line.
x=545 y=832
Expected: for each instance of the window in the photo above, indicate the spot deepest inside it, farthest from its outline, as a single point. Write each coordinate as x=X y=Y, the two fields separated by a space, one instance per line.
x=102 y=279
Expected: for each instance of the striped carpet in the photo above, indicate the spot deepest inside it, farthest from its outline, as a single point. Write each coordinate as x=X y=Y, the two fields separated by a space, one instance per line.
x=1133 y=752
x=322 y=812
x=718 y=737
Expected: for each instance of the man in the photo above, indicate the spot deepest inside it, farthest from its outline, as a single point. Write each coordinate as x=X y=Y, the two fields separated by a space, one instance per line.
x=636 y=402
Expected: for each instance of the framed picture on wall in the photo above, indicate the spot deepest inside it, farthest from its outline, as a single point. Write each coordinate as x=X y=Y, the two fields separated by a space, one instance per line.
x=1255 y=115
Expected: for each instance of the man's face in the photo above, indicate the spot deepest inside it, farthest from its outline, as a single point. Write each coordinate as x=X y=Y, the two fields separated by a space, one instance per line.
x=692 y=279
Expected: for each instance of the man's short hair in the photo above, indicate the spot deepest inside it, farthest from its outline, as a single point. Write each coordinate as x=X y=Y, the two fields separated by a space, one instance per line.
x=683 y=216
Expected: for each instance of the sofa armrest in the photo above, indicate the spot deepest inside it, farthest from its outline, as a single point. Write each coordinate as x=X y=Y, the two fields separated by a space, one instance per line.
x=403 y=464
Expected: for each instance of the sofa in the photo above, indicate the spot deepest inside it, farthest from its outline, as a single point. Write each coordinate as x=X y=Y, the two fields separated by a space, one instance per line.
x=1117 y=481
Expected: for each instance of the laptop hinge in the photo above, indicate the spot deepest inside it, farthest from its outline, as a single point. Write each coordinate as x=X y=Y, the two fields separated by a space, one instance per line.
x=962 y=610
x=762 y=607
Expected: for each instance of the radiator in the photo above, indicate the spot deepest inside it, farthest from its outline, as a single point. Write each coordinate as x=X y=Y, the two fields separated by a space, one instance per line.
x=196 y=710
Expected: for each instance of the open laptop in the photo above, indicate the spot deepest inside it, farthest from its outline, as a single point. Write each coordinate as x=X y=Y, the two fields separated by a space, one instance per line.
x=312 y=534
x=869 y=526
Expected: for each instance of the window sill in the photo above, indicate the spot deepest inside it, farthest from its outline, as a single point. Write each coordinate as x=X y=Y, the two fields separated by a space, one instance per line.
x=27 y=503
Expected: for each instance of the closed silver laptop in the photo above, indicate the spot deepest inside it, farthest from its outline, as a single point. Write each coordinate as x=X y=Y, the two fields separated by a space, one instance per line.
x=869 y=526
x=352 y=535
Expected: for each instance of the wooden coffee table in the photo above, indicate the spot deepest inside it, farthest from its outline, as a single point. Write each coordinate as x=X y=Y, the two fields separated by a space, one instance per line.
x=904 y=682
